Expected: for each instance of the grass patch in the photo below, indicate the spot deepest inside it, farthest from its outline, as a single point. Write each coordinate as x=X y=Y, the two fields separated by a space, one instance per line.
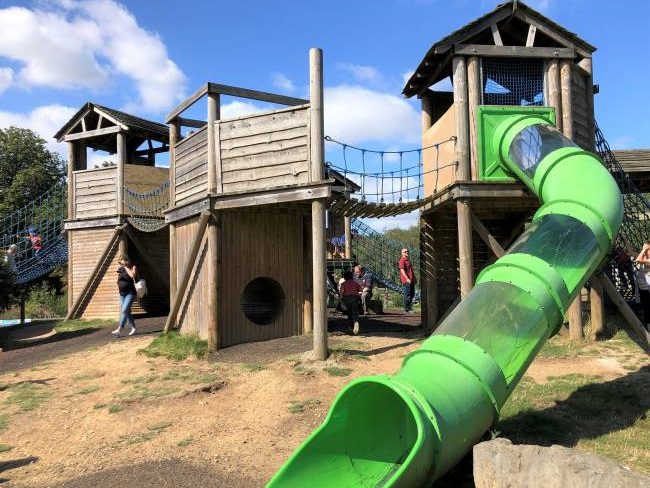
x=99 y=406
x=86 y=390
x=5 y=447
x=27 y=396
x=204 y=379
x=159 y=426
x=185 y=442
x=299 y=407
x=176 y=346
x=138 y=380
x=252 y=367
x=299 y=369
x=115 y=407
x=152 y=432
x=139 y=392
x=337 y=371
x=4 y=421
x=79 y=324
x=42 y=366
x=92 y=375
x=347 y=345
x=605 y=417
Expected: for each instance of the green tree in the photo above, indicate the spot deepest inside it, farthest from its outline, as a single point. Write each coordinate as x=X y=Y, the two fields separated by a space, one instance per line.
x=6 y=283
x=27 y=168
x=407 y=237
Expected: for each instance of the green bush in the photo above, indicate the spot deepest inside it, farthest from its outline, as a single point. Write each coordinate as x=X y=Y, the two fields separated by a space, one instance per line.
x=45 y=303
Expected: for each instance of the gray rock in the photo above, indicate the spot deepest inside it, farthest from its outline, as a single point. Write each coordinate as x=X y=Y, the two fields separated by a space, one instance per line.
x=500 y=464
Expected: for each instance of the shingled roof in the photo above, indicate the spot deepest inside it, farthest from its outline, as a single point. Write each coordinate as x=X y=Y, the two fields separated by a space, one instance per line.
x=436 y=64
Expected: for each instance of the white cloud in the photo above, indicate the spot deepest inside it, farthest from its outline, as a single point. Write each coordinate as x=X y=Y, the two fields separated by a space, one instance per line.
x=361 y=73
x=45 y=121
x=354 y=114
x=238 y=108
x=6 y=77
x=400 y=221
x=85 y=44
x=282 y=82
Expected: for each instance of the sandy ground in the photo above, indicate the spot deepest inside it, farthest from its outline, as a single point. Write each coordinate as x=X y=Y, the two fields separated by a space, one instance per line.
x=113 y=417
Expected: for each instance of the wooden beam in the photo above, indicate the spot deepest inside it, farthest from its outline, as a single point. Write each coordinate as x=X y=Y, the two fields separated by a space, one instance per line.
x=347 y=224
x=530 y=40
x=462 y=118
x=567 y=107
x=174 y=137
x=554 y=90
x=465 y=247
x=316 y=125
x=178 y=298
x=195 y=124
x=307 y=268
x=513 y=51
x=89 y=224
x=94 y=274
x=155 y=150
x=553 y=33
x=488 y=238
x=627 y=313
x=92 y=133
x=187 y=103
x=433 y=77
x=100 y=119
x=121 y=163
x=213 y=108
x=474 y=99
x=214 y=281
x=234 y=91
x=574 y=314
x=496 y=35
x=188 y=210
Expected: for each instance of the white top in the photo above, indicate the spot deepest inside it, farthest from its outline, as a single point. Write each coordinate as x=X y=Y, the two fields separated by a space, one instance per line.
x=10 y=259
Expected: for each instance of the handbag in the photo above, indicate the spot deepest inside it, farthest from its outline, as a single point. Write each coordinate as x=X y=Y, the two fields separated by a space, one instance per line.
x=140 y=288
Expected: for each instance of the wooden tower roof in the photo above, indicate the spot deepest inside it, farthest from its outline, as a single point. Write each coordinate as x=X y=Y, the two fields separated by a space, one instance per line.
x=512 y=28
x=97 y=125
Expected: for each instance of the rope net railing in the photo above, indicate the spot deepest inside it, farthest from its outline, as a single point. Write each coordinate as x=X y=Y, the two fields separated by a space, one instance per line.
x=389 y=178
x=635 y=229
x=146 y=209
x=37 y=232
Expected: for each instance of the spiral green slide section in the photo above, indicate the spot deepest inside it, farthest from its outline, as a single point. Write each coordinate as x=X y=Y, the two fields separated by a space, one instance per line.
x=408 y=429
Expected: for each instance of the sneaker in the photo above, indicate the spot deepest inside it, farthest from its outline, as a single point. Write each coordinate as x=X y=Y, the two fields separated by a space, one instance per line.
x=133 y=331
x=117 y=331
x=355 y=331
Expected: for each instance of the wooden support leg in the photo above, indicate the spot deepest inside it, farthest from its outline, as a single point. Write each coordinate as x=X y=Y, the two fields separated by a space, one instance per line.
x=213 y=282
x=597 y=309
x=429 y=284
x=575 y=320
x=319 y=277
x=173 y=273
x=347 y=221
x=307 y=253
x=465 y=258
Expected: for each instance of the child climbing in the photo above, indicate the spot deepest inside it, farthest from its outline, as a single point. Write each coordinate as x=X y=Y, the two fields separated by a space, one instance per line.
x=10 y=257
x=351 y=292
x=35 y=238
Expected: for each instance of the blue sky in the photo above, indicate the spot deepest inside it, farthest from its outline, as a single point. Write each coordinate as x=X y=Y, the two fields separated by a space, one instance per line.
x=145 y=56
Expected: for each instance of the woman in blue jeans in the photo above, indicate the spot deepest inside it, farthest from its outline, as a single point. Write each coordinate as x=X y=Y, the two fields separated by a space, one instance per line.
x=126 y=276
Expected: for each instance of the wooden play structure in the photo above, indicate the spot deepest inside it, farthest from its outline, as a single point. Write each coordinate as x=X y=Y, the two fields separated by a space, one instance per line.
x=247 y=218
x=98 y=227
x=510 y=56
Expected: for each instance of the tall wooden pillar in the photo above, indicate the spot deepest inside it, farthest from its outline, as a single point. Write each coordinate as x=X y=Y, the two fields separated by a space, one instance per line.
x=463 y=173
x=474 y=96
x=72 y=160
x=307 y=253
x=317 y=150
x=174 y=137
x=213 y=144
x=347 y=224
x=553 y=90
x=121 y=162
x=214 y=280
x=597 y=309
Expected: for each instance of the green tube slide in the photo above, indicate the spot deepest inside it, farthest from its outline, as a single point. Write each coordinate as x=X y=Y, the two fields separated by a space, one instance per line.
x=408 y=429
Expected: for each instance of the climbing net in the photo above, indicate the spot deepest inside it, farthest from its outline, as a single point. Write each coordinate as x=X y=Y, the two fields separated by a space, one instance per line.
x=44 y=216
x=635 y=228
x=389 y=177
x=147 y=208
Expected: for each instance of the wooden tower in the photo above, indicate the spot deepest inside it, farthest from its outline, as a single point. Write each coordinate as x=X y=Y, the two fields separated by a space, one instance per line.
x=511 y=56
x=97 y=226
x=247 y=201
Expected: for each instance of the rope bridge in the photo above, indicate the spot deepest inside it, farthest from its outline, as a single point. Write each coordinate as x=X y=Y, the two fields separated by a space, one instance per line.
x=146 y=209
x=385 y=183
x=44 y=216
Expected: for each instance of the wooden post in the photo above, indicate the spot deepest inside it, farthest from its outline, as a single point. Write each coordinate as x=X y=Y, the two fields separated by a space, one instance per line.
x=474 y=95
x=121 y=161
x=317 y=150
x=462 y=117
x=597 y=309
x=174 y=137
x=554 y=93
x=123 y=246
x=213 y=115
x=307 y=260
x=22 y=307
x=72 y=166
x=586 y=64
x=187 y=272
x=465 y=257
x=567 y=109
x=575 y=319
x=347 y=223
x=214 y=273
x=428 y=278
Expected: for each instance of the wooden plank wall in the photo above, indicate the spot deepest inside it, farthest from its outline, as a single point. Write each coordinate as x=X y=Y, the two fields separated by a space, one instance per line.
x=144 y=178
x=156 y=301
x=266 y=150
x=95 y=192
x=582 y=121
x=192 y=315
x=263 y=243
x=191 y=168
x=443 y=129
x=85 y=246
